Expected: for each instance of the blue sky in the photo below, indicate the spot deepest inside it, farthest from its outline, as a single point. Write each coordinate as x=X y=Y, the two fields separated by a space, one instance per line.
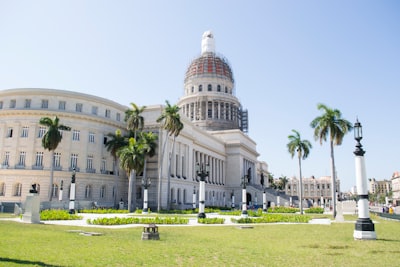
x=287 y=56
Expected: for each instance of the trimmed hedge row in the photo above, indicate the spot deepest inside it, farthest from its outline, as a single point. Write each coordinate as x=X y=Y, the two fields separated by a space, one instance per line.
x=132 y=220
x=274 y=218
x=50 y=215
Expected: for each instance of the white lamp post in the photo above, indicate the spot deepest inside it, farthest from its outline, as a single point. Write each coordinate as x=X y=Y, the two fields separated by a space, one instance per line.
x=194 y=198
x=264 y=201
x=72 y=193
x=146 y=182
x=244 y=193
x=364 y=227
x=202 y=171
x=60 y=196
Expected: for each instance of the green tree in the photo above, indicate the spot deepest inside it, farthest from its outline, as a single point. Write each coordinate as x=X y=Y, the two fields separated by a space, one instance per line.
x=283 y=180
x=135 y=123
x=132 y=161
x=50 y=141
x=115 y=141
x=302 y=148
x=171 y=122
x=134 y=119
x=331 y=124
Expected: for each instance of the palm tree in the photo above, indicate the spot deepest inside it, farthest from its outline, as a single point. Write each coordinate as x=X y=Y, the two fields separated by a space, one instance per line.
x=171 y=122
x=114 y=142
x=135 y=123
x=283 y=182
x=50 y=141
x=134 y=119
x=302 y=147
x=132 y=161
x=331 y=124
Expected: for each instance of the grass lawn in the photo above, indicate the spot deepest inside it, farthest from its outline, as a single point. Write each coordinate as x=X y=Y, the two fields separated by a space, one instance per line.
x=263 y=245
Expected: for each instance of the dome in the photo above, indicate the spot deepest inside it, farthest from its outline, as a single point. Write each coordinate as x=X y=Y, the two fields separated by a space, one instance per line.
x=209 y=65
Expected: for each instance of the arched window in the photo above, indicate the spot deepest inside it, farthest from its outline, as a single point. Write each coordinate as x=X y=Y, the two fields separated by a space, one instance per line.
x=219 y=88
x=200 y=88
x=2 y=189
x=209 y=87
x=103 y=191
x=17 y=189
x=54 y=190
x=88 y=191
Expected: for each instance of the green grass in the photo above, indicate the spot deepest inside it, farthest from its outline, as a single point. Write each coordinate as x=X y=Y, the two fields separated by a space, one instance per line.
x=262 y=245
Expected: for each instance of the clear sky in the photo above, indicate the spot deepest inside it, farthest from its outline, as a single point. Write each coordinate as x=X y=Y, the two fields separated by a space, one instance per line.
x=286 y=56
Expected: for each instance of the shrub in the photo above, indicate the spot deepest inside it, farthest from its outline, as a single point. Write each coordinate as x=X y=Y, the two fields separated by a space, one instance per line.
x=211 y=220
x=133 y=220
x=318 y=210
x=282 y=210
x=275 y=218
x=102 y=211
x=46 y=215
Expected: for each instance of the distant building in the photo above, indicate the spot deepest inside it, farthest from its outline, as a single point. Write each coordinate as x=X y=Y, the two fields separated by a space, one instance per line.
x=315 y=190
x=379 y=187
x=396 y=188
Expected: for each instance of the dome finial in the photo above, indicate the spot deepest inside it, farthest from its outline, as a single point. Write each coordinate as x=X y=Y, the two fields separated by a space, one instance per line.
x=207 y=42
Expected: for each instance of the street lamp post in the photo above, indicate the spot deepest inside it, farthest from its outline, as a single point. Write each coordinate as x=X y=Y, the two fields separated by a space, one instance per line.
x=364 y=227
x=194 y=198
x=202 y=171
x=72 y=193
x=60 y=196
x=265 y=201
x=146 y=182
x=244 y=193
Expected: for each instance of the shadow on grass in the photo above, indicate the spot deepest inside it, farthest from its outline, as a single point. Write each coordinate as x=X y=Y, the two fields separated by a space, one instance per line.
x=387 y=240
x=35 y=263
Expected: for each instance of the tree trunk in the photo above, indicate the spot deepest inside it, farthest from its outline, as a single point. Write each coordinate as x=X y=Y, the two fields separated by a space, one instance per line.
x=169 y=175
x=333 y=181
x=116 y=176
x=131 y=201
x=160 y=173
x=301 y=188
x=51 y=175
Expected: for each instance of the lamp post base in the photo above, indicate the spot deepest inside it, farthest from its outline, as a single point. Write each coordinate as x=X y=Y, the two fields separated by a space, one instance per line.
x=201 y=215
x=364 y=229
x=245 y=214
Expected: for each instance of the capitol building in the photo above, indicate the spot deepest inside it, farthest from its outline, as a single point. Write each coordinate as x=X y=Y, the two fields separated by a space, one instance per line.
x=215 y=132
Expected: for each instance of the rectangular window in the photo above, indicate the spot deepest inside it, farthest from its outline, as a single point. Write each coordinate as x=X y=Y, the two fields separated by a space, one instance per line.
x=75 y=135
x=24 y=133
x=22 y=156
x=18 y=190
x=78 y=107
x=45 y=103
x=103 y=191
x=118 y=117
x=1 y=104
x=95 y=110
x=13 y=103
x=6 y=158
x=9 y=132
x=57 y=159
x=27 y=103
x=91 y=137
x=89 y=162
x=61 y=105
x=39 y=159
x=42 y=131
x=74 y=161
x=103 y=165
x=108 y=113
